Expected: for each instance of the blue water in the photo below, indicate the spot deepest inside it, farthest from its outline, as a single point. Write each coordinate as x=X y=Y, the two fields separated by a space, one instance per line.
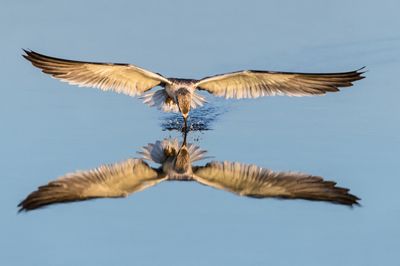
x=49 y=128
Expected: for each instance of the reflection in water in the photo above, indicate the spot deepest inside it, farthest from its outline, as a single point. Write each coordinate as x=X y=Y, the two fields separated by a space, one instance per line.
x=176 y=159
x=200 y=119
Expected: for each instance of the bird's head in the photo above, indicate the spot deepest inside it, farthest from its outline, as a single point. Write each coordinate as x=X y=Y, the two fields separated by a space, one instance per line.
x=184 y=99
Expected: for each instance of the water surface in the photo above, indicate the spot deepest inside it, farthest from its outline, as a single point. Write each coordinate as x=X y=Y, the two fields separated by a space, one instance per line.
x=50 y=128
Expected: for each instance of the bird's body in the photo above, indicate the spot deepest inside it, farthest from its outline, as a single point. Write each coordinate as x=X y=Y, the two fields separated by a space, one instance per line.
x=175 y=158
x=181 y=95
x=180 y=92
x=178 y=168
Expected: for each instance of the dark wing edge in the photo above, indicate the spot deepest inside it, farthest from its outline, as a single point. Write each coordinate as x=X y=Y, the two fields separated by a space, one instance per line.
x=258 y=83
x=253 y=181
x=121 y=78
x=107 y=181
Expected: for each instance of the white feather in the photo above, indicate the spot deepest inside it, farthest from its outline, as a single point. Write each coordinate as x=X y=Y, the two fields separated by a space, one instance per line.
x=157 y=152
x=158 y=99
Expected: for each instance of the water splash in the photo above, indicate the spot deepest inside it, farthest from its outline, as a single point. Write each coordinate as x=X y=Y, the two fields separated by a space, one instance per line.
x=200 y=119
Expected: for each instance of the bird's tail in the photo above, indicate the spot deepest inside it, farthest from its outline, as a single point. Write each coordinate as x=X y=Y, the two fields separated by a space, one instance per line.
x=197 y=100
x=159 y=151
x=162 y=101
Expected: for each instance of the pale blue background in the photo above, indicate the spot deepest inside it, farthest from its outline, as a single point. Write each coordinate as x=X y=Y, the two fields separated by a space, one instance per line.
x=49 y=128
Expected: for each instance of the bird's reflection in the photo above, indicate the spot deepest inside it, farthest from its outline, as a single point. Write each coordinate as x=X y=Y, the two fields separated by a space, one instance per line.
x=176 y=164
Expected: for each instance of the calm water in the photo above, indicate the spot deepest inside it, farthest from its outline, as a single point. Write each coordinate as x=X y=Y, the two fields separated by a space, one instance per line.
x=50 y=128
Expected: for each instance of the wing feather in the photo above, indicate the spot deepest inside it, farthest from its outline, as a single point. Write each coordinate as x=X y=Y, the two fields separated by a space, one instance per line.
x=121 y=78
x=255 y=83
x=106 y=181
x=253 y=181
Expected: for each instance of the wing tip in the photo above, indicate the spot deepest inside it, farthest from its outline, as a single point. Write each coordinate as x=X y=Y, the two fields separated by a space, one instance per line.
x=31 y=202
x=361 y=71
x=32 y=56
x=29 y=52
x=351 y=201
x=342 y=196
x=26 y=54
x=21 y=207
x=25 y=206
x=26 y=51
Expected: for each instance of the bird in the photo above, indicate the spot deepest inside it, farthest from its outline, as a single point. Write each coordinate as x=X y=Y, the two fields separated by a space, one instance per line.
x=182 y=95
x=176 y=164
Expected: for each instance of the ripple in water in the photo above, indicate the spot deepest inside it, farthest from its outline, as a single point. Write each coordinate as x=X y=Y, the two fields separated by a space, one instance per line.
x=200 y=119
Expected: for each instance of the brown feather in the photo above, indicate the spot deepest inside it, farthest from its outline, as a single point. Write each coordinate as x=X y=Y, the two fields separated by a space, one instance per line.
x=253 y=181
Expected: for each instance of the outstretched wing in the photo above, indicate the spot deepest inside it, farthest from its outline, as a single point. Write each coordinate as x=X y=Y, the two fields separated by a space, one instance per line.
x=106 y=181
x=254 y=83
x=121 y=78
x=253 y=181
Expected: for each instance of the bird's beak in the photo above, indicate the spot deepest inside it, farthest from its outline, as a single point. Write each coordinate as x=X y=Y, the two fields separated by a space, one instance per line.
x=185 y=122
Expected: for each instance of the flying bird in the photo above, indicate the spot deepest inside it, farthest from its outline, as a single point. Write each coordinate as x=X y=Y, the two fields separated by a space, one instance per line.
x=176 y=164
x=181 y=95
